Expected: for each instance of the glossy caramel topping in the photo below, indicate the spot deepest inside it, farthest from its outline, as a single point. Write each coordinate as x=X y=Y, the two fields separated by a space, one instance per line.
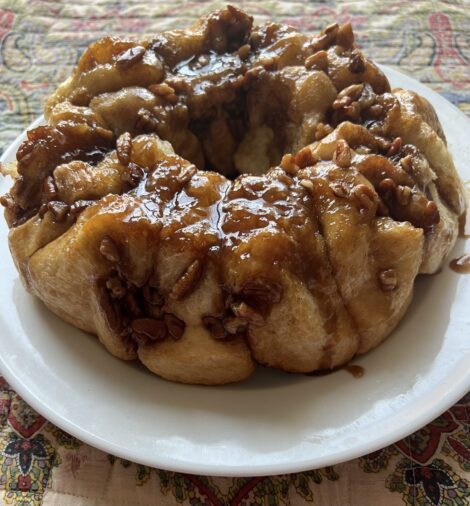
x=461 y=264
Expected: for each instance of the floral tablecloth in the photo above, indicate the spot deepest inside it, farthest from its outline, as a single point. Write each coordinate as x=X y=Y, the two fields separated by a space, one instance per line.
x=40 y=41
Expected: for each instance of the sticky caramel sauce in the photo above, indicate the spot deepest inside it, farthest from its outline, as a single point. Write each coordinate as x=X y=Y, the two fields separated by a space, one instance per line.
x=355 y=370
x=461 y=264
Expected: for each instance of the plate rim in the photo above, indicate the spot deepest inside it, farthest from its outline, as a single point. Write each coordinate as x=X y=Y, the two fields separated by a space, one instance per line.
x=459 y=390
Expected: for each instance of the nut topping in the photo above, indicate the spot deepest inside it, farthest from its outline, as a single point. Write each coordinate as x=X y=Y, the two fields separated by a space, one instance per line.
x=187 y=282
x=305 y=158
x=130 y=57
x=174 y=325
x=289 y=165
x=115 y=287
x=317 y=61
x=214 y=326
x=342 y=154
x=109 y=249
x=307 y=184
x=261 y=293
x=395 y=146
x=124 y=148
x=357 y=64
x=244 y=311
x=388 y=280
x=186 y=174
x=149 y=328
x=340 y=189
x=234 y=325
x=58 y=209
x=345 y=36
x=365 y=196
x=49 y=188
x=403 y=194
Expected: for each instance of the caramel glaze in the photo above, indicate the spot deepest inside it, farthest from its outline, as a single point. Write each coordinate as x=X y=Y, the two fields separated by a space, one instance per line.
x=355 y=370
x=461 y=264
x=251 y=228
x=221 y=223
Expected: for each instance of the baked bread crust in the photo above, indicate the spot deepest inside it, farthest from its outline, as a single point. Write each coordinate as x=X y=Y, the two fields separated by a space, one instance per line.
x=299 y=261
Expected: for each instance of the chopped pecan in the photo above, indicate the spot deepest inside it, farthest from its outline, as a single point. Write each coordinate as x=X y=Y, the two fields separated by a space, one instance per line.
x=353 y=91
x=289 y=165
x=124 y=148
x=261 y=293
x=340 y=189
x=79 y=205
x=186 y=174
x=49 y=188
x=342 y=154
x=376 y=110
x=317 y=61
x=356 y=63
x=109 y=249
x=388 y=280
x=307 y=184
x=130 y=57
x=165 y=91
x=322 y=130
x=149 y=328
x=244 y=51
x=305 y=158
x=395 y=146
x=234 y=325
x=146 y=121
x=187 y=282
x=246 y=312
x=115 y=287
x=58 y=209
x=403 y=194
x=345 y=36
x=174 y=325
x=365 y=197
x=387 y=185
x=215 y=327
x=133 y=175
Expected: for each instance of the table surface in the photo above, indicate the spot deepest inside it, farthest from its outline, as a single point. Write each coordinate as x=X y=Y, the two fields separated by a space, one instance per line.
x=40 y=42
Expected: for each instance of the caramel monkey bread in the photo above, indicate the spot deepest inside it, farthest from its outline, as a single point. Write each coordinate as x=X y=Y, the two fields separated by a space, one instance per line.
x=227 y=195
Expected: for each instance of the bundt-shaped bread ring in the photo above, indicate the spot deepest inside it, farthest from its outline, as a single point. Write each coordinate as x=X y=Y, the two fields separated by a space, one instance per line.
x=226 y=195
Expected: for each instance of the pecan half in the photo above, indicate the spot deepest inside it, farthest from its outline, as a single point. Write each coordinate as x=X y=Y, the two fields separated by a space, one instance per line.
x=149 y=328
x=261 y=293
x=188 y=281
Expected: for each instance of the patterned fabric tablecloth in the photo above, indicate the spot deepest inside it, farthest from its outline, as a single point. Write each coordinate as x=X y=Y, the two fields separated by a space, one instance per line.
x=40 y=41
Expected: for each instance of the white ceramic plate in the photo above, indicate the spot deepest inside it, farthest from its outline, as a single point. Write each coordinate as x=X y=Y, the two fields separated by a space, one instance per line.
x=272 y=423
